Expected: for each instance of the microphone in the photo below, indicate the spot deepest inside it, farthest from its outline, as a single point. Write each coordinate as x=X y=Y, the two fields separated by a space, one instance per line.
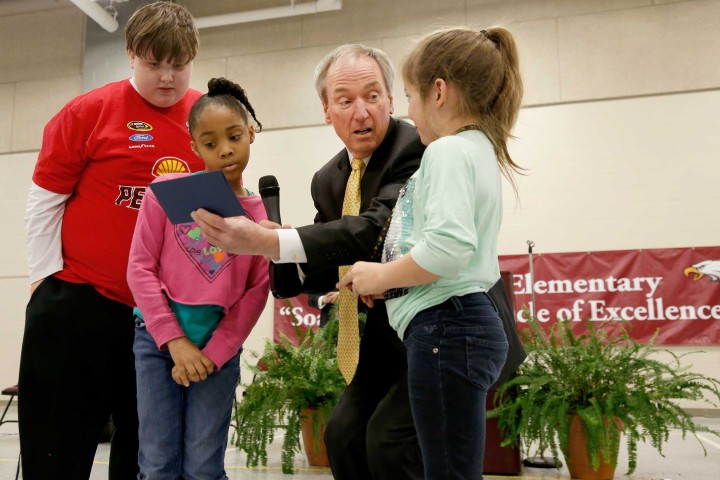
x=284 y=277
x=270 y=194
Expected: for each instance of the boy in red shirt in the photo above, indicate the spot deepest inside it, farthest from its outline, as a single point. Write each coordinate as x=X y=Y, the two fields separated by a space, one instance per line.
x=98 y=155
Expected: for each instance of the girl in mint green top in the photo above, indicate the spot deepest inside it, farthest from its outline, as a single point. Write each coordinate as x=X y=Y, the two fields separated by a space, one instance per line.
x=440 y=253
x=448 y=215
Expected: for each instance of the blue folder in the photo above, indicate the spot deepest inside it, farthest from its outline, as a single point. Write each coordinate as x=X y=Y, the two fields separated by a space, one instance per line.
x=209 y=190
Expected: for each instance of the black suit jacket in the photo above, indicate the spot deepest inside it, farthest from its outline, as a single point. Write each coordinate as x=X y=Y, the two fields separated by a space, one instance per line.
x=313 y=299
x=334 y=240
x=516 y=352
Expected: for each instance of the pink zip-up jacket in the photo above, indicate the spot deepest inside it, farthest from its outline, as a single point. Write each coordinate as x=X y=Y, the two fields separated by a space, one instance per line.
x=177 y=261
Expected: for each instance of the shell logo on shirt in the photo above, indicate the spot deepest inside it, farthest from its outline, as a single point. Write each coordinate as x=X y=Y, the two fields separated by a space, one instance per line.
x=169 y=165
x=139 y=126
x=131 y=196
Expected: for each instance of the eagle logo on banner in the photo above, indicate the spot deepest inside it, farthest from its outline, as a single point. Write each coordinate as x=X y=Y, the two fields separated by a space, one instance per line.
x=706 y=268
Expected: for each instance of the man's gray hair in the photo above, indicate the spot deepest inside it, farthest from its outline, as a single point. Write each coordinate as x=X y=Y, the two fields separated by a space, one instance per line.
x=349 y=52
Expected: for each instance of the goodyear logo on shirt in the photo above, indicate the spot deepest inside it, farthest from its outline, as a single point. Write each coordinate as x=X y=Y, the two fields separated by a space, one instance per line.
x=139 y=126
x=141 y=137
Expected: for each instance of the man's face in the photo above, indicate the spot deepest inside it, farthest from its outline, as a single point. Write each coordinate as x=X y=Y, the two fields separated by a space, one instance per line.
x=358 y=104
x=160 y=82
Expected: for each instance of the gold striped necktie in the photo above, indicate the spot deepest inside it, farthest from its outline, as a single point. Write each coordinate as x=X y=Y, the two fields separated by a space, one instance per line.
x=348 y=348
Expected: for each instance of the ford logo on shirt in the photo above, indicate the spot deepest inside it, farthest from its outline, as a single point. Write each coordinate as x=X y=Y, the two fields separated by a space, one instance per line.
x=141 y=137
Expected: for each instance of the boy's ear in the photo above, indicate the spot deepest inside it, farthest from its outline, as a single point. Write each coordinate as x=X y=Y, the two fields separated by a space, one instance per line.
x=131 y=55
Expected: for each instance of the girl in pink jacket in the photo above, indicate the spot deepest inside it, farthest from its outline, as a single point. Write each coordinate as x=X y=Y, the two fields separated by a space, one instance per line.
x=196 y=305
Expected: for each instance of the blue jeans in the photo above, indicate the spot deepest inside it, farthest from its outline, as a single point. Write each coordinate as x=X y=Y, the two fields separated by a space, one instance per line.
x=455 y=352
x=183 y=431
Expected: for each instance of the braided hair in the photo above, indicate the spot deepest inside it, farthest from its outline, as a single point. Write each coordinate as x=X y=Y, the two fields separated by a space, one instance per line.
x=223 y=92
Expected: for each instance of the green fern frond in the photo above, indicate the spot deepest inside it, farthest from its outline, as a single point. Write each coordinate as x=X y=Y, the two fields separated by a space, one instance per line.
x=601 y=374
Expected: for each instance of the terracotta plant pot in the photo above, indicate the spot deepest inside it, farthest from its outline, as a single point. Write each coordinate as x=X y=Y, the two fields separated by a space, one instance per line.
x=316 y=457
x=577 y=459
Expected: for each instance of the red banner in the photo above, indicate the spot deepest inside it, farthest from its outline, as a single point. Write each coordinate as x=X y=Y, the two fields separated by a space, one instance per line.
x=292 y=314
x=675 y=291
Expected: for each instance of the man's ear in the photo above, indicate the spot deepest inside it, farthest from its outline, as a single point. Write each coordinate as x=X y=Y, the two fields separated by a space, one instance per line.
x=392 y=107
x=326 y=110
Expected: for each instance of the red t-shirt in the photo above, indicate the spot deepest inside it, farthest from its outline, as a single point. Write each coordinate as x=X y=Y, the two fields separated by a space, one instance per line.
x=104 y=148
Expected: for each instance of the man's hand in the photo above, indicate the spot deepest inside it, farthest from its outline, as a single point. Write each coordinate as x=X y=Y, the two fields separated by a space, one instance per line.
x=269 y=225
x=191 y=365
x=272 y=226
x=237 y=235
x=330 y=297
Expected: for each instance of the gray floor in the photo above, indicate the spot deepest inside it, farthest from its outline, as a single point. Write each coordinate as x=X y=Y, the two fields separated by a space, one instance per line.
x=684 y=460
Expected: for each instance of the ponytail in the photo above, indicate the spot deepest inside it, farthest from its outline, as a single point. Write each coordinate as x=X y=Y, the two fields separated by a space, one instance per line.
x=505 y=107
x=483 y=65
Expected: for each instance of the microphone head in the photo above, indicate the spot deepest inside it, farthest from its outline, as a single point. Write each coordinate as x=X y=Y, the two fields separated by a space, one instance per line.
x=268 y=186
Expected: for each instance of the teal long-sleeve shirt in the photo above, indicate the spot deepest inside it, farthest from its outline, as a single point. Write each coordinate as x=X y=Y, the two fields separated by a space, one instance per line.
x=448 y=217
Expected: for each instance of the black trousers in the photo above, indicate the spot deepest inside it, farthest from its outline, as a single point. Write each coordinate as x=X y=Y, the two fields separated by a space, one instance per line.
x=76 y=371
x=371 y=435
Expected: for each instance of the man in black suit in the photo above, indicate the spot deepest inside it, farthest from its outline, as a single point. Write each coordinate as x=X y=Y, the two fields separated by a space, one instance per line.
x=371 y=434
x=324 y=303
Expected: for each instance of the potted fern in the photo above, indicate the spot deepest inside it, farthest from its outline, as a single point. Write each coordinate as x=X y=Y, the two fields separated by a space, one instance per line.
x=291 y=384
x=600 y=385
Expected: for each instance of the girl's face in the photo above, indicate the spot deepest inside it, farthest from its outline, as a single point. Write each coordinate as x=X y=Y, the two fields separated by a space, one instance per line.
x=420 y=115
x=222 y=139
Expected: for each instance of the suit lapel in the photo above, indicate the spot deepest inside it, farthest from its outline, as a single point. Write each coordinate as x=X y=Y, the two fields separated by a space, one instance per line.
x=374 y=171
x=343 y=165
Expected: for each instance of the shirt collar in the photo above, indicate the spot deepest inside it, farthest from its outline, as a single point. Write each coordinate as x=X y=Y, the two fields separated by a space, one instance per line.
x=365 y=160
